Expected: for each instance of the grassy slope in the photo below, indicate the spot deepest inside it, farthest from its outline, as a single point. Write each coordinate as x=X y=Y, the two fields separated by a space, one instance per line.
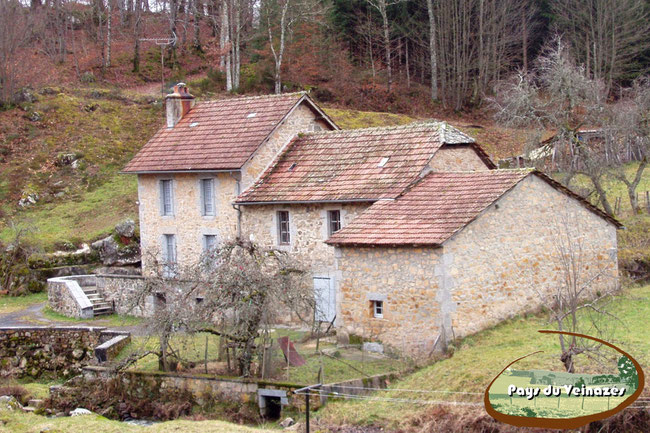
x=9 y=304
x=479 y=358
x=17 y=422
x=81 y=204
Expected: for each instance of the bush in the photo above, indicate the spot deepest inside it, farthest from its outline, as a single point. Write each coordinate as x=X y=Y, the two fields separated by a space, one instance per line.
x=20 y=393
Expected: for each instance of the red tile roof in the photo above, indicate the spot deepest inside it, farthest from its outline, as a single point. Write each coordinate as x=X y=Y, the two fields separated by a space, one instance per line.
x=347 y=165
x=216 y=135
x=435 y=208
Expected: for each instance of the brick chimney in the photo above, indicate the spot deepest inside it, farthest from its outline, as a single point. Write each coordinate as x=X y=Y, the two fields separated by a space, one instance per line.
x=177 y=104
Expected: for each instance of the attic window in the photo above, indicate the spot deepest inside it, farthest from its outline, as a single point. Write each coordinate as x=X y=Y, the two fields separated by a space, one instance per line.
x=292 y=166
x=193 y=124
x=383 y=162
x=251 y=115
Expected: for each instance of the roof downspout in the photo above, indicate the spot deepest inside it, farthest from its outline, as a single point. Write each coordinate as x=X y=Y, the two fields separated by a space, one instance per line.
x=235 y=205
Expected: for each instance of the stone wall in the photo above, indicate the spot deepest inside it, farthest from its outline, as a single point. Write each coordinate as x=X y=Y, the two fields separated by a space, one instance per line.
x=496 y=266
x=457 y=158
x=203 y=387
x=122 y=290
x=404 y=279
x=187 y=222
x=47 y=351
x=66 y=296
x=308 y=227
x=302 y=119
x=491 y=270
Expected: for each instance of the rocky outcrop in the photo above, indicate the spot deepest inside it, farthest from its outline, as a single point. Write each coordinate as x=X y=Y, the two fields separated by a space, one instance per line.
x=121 y=248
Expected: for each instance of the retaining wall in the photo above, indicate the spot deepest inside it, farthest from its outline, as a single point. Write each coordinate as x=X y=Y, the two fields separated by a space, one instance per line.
x=47 y=351
x=66 y=296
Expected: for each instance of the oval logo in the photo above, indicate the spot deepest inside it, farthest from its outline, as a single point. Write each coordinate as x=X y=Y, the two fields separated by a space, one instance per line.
x=559 y=400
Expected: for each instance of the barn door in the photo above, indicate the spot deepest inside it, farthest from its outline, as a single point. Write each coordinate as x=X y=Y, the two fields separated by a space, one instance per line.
x=325 y=299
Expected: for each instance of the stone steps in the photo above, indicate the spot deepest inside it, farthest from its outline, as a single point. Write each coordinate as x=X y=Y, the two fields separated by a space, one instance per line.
x=100 y=306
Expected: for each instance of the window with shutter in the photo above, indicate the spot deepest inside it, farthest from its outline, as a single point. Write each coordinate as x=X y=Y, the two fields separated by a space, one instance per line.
x=334 y=221
x=207 y=196
x=284 y=233
x=167 y=198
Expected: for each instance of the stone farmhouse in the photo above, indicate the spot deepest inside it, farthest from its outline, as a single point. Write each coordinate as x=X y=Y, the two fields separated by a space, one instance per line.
x=411 y=233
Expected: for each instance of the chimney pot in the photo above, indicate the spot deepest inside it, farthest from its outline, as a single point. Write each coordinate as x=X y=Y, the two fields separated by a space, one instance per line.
x=177 y=104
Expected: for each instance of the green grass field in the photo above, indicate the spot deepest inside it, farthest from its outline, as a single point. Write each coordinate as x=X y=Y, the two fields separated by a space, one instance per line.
x=19 y=422
x=479 y=358
x=346 y=364
x=10 y=304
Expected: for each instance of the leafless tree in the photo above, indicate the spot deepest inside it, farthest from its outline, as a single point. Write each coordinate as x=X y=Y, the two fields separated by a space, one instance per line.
x=559 y=97
x=626 y=137
x=382 y=7
x=242 y=290
x=281 y=16
x=15 y=33
x=606 y=36
x=578 y=302
x=433 y=49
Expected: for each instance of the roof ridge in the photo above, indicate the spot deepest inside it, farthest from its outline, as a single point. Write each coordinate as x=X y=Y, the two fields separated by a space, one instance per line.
x=498 y=170
x=270 y=95
x=412 y=125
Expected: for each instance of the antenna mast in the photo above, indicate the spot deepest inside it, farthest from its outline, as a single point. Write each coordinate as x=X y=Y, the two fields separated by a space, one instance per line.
x=162 y=43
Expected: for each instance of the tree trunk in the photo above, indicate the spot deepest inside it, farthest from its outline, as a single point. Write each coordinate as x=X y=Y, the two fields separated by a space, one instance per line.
x=384 y=17
x=602 y=194
x=433 y=52
x=109 y=34
x=137 y=30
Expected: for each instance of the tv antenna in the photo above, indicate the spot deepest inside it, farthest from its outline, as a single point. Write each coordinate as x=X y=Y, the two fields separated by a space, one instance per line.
x=162 y=43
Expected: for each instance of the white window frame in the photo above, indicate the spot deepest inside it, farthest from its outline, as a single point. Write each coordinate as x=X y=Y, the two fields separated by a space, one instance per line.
x=204 y=210
x=377 y=309
x=207 y=249
x=280 y=228
x=330 y=232
x=163 y=202
x=169 y=263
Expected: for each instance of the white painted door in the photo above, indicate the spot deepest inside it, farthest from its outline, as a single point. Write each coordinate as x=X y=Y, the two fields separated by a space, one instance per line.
x=325 y=299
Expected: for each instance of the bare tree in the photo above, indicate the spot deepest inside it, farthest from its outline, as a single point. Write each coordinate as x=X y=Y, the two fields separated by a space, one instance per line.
x=433 y=50
x=626 y=137
x=281 y=16
x=606 y=36
x=243 y=289
x=558 y=96
x=578 y=302
x=382 y=7
x=15 y=33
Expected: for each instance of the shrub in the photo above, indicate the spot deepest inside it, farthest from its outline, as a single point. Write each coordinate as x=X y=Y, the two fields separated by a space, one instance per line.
x=20 y=393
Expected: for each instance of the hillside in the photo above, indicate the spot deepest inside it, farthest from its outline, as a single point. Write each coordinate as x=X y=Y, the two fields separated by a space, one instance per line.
x=60 y=157
x=477 y=359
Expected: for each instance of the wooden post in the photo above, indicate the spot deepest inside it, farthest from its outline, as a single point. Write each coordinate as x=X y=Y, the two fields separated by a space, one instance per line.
x=307 y=411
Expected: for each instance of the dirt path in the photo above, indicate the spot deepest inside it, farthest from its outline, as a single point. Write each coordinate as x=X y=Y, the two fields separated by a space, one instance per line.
x=33 y=316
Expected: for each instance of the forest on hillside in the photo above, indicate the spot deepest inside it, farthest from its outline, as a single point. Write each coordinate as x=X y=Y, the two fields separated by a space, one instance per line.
x=397 y=55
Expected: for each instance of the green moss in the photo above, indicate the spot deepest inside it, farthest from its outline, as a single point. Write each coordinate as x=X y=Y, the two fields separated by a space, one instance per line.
x=351 y=119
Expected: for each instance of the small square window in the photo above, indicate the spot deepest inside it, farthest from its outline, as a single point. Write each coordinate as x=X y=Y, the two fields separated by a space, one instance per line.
x=333 y=221
x=284 y=230
x=209 y=243
x=377 y=309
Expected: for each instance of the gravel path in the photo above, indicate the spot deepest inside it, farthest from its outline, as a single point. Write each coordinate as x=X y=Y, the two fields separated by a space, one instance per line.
x=33 y=316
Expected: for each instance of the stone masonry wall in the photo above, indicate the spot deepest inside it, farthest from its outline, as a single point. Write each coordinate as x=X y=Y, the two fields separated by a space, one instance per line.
x=404 y=278
x=497 y=264
x=457 y=158
x=122 y=290
x=489 y=271
x=46 y=351
x=302 y=119
x=187 y=222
